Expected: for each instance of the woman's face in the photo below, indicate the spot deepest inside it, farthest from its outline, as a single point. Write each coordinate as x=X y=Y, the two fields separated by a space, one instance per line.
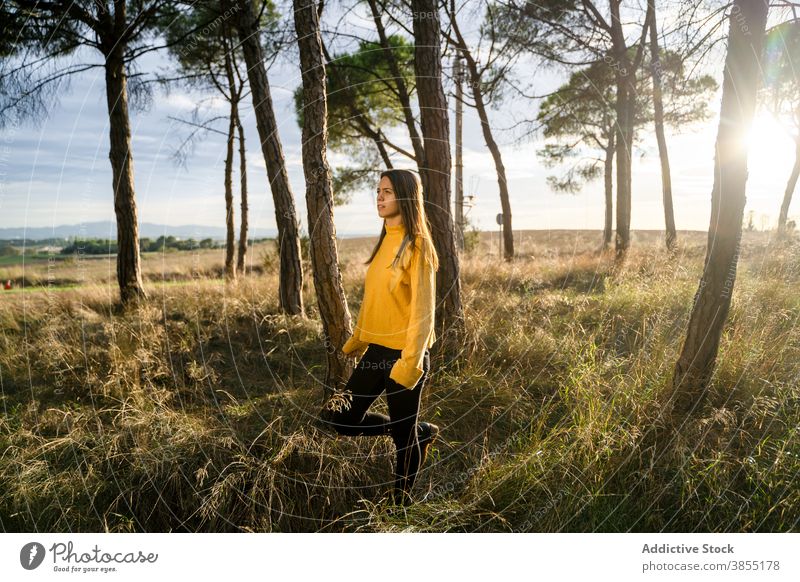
x=387 y=202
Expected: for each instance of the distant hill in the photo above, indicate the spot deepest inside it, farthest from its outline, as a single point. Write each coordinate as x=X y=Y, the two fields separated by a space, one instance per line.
x=108 y=229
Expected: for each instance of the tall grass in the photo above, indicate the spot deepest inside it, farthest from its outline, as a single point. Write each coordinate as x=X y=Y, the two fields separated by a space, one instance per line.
x=197 y=411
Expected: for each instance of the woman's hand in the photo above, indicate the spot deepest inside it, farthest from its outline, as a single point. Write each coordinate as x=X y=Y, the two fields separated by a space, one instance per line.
x=354 y=355
x=354 y=347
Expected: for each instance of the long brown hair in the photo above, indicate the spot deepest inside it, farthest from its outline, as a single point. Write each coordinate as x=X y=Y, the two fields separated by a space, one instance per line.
x=408 y=192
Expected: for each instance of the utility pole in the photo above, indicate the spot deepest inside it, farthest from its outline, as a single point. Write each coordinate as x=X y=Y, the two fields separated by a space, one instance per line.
x=458 y=75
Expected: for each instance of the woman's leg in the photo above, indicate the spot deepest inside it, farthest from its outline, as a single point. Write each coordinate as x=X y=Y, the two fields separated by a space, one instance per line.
x=404 y=410
x=365 y=384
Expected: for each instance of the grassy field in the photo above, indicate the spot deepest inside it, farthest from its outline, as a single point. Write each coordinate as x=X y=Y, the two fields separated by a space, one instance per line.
x=197 y=411
x=42 y=271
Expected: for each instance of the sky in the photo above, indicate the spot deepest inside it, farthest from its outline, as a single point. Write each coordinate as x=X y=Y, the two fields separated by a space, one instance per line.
x=56 y=171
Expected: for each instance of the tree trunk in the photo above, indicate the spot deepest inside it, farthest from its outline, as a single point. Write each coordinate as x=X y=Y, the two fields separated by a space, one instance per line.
x=435 y=169
x=712 y=300
x=625 y=75
x=331 y=298
x=241 y=260
x=790 y=186
x=663 y=154
x=230 y=229
x=477 y=95
x=609 y=192
x=291 y=267
x=230 y=238
x=129 y=274
x=623 y=138
x=458 y=74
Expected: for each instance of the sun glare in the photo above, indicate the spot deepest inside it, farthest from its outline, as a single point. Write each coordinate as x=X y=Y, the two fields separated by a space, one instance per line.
x=770 y=144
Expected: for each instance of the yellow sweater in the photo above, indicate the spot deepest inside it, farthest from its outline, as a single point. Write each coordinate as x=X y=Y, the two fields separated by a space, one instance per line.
x=398 y=307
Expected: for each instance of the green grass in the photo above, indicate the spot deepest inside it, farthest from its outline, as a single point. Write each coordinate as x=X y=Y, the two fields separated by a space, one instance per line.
x=31 y=259
x=196 y=411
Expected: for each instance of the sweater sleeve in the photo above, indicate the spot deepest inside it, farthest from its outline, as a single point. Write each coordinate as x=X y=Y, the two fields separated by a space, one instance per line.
x=355 y=345
x=408 y=369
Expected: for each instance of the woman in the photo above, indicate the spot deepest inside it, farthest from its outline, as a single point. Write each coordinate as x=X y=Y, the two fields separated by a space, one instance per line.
x=395 y=330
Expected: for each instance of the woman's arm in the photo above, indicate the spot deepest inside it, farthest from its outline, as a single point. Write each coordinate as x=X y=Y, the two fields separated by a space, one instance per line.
x=354 y=345
x=408 y=369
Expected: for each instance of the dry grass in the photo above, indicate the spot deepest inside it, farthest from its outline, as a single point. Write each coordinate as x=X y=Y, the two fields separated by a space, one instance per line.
x=197 y=411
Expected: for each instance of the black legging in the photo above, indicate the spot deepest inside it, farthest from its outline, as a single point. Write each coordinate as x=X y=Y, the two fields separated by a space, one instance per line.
x=370 y=377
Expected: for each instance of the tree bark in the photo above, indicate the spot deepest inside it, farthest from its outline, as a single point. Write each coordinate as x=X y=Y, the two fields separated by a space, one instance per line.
x=623 y=138
x=230 y=236
x=435 y=170
x=331 y=298
x=291 y=267
x=230 y=239
x=236 y=88
x=626 y=93
x=663 y=154
x=458 y=74
x=712 y=300
x=241 y=260
x=625 y=75
x=129 y=274
x=500 y=169
x=790 y=186
x=609 y=192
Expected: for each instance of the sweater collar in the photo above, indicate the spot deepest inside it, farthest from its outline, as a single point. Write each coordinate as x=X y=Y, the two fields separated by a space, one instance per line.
x=396 y=230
